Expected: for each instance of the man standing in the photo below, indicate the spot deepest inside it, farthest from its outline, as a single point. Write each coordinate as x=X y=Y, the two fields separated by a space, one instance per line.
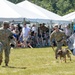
x=5 y=37
x=25 y=34
x=59 y=37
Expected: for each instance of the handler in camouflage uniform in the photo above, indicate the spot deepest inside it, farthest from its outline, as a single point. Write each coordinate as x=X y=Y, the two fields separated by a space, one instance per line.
x=59 y=37
x=5 y=37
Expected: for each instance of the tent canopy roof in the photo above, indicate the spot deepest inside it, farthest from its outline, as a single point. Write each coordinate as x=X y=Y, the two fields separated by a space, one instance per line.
x=69 y=16
x=39 y=10
x=10 y=10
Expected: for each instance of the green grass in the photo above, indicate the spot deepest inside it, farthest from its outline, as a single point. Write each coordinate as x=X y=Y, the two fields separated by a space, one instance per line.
x=37 y=61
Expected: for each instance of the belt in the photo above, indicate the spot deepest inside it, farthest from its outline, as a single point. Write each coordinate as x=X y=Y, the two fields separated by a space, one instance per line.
x=60 y=40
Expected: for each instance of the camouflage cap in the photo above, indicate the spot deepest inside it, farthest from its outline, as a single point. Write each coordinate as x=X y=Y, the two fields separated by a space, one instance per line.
x=6 y=23
x=55 y=25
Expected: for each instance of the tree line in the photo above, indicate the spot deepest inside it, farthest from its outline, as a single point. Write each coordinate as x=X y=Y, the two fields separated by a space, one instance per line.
x=60 y=7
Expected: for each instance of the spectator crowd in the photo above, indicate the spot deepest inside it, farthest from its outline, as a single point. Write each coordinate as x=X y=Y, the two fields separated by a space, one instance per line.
x=33 y=36
x=29 y=36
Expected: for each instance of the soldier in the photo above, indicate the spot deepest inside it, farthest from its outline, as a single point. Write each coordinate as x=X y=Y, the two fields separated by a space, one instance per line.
x=59 y=37
x=5 y=37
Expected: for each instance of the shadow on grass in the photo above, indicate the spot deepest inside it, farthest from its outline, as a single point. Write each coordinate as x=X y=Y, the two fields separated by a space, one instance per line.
x=14 y=67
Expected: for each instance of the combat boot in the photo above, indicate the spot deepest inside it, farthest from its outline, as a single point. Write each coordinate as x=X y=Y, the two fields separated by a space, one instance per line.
x=56 y=57
x=6 y=64
x=0 y=62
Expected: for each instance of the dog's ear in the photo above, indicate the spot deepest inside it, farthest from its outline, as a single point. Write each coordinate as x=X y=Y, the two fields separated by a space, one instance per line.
x=67 y=51
x=59 y=52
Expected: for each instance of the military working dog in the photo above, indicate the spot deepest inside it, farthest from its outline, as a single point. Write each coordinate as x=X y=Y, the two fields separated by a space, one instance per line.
x=62 y=53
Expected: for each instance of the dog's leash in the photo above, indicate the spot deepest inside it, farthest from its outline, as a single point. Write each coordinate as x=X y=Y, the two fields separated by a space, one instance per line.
x=53 y=48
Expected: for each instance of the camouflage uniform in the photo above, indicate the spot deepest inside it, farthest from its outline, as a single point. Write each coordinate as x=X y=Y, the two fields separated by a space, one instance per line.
x=58 y=37
x=5 y=44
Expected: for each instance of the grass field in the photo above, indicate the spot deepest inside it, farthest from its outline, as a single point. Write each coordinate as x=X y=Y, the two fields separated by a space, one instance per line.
x=37 y=61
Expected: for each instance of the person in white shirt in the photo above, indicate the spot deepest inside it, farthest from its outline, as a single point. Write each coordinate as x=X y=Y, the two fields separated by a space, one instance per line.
x=25 y=34
x=71 y=43
x=34 y=28
x=67 y=31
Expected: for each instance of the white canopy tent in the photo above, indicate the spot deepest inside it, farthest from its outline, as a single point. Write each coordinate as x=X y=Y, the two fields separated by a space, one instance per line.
x=10 y=11
x=6 y=11
x=70 y=16
x=37 y=9
x=53 y=18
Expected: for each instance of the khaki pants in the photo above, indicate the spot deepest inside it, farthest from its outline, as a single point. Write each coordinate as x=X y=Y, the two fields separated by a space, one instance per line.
x=25 y=41
x=6 y=53
x=59 y=46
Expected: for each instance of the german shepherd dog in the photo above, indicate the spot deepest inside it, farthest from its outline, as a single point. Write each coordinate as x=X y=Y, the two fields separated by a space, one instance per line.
x=62 y=53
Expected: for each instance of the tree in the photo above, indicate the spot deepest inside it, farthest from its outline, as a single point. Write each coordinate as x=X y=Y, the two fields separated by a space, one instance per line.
x=60 y=7
x=63 y=6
